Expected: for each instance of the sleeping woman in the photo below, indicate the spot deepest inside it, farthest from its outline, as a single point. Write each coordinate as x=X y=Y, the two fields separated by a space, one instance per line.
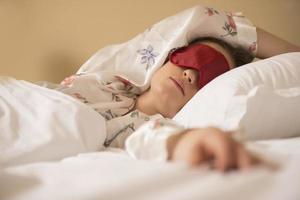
x=185 y=72
x=138 y=119
x=140 y=122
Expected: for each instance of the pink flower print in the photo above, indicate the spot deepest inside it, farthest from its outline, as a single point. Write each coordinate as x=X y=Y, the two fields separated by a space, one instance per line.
x=123 y=80
x=80 y=97
x=128 y=85
x=231 y=22
x=68 y=81
x=252 y=47
x=210 y=11
x=157 y=124
x=229 y=26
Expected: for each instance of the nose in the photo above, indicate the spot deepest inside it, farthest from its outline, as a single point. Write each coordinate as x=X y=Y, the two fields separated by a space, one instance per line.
x=190 y=76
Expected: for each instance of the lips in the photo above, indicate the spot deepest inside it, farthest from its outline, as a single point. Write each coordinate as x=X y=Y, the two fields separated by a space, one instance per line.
x=178 y=85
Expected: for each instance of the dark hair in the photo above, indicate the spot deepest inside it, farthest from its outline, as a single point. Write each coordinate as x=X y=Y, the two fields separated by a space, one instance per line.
x=239 y=55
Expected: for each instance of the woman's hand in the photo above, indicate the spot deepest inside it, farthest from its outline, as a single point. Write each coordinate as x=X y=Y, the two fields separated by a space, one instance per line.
x=200 y=146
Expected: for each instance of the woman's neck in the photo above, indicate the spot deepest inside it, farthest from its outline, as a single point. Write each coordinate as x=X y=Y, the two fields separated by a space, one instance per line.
x=145 y=103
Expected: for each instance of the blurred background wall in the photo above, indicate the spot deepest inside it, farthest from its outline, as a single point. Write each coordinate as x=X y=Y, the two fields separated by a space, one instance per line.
x=51 y=39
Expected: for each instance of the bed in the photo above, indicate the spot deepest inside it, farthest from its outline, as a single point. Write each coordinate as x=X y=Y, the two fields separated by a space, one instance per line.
x=48 y=150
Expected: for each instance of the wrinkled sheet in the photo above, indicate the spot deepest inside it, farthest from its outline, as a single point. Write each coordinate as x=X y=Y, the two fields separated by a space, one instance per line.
x=114 y=175
x=39 y=124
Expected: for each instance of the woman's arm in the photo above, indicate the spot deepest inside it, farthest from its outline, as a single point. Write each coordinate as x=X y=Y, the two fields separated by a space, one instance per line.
x=271 y=45
x=163 y=139
x=209 y=145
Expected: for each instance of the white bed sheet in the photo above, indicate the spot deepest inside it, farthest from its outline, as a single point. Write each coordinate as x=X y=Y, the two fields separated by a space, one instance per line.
x=114 y=175
x=39 y=124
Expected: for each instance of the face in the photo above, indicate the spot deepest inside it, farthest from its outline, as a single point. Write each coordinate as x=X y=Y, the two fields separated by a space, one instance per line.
x=174 y=86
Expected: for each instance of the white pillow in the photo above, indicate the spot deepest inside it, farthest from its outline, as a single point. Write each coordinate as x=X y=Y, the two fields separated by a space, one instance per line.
x=269 y=113
x=248 y=97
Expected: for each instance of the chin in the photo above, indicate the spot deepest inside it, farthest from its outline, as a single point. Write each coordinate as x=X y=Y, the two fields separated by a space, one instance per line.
x=168 y=113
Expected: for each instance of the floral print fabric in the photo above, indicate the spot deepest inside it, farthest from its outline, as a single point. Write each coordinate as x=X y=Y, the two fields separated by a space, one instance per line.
x=137 y=59
x=114 y=100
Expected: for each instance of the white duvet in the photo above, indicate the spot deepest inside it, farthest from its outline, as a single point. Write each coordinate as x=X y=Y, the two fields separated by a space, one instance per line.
x=38 y=124
x=31 y=165
x=113 y=175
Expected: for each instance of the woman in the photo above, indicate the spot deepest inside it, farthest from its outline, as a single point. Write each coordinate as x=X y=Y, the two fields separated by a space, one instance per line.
x=186 y=70
x=126 y=107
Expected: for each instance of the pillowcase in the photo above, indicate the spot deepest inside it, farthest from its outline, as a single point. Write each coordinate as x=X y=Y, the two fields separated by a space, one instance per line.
x=260 y=100
x=269 y=113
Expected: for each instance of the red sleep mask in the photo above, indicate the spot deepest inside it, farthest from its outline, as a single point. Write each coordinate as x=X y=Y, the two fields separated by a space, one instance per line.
x=206 y=60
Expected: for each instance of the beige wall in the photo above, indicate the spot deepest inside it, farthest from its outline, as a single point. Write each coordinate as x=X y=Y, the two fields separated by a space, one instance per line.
x=50 y=39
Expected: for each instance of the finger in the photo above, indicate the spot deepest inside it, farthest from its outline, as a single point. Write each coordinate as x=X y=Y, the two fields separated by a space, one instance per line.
x=227 y=158
x=223 y=150
x=197 y=156
x=244 y=159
